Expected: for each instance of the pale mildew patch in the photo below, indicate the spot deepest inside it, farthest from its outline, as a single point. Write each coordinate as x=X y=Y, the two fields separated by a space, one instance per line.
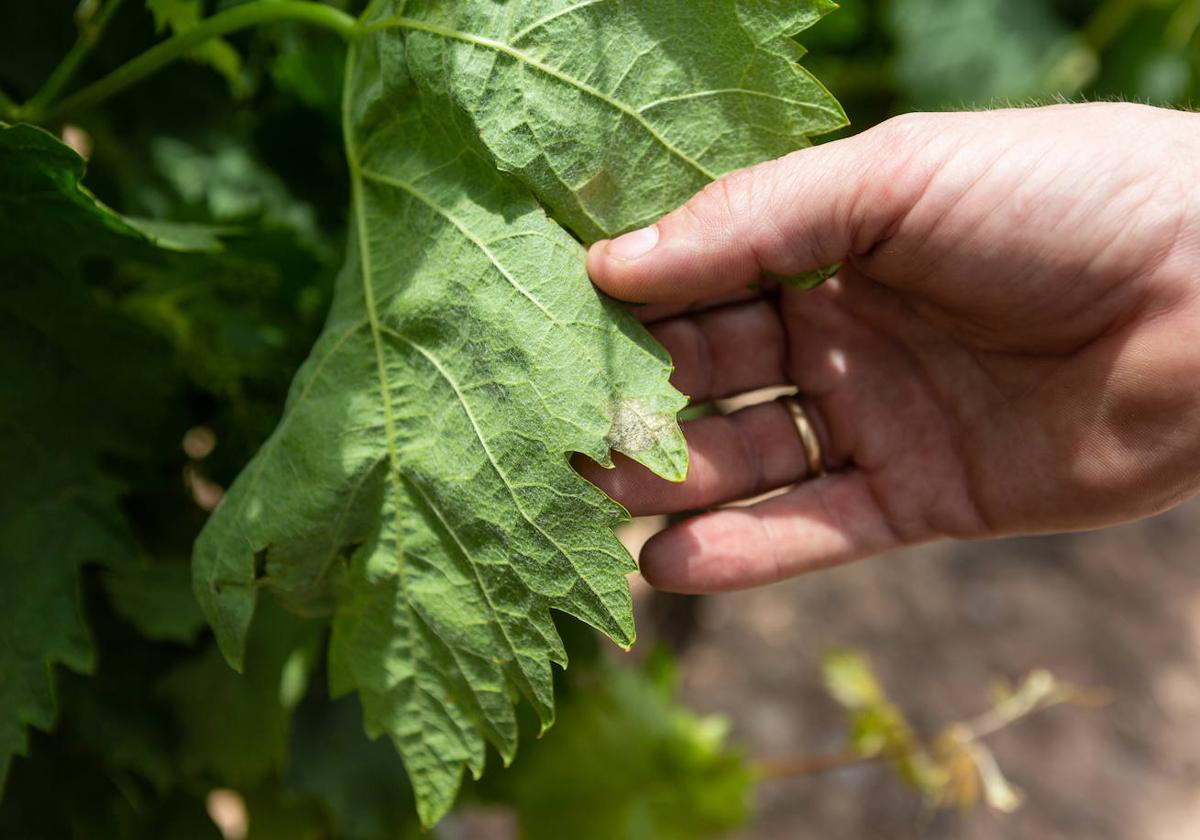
x=636 y=427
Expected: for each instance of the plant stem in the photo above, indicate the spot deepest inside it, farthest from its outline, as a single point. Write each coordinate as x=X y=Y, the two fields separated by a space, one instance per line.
x=90 y=32
x=231 y=20
x=990 y=722
x=811 y=765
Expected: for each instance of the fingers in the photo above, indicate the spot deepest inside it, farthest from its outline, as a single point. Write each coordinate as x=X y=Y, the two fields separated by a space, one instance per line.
x=653 y=312
x=726 y=351
x=783 y=217
x=822 y=523
x=730 y=458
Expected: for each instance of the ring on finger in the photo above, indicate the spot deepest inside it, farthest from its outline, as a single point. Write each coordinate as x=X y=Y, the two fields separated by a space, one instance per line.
x=807 y=432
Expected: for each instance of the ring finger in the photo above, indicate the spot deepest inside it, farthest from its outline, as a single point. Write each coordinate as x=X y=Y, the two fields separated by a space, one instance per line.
x=718 y=353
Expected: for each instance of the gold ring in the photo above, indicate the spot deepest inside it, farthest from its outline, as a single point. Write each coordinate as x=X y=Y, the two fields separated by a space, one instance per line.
x=808 y=434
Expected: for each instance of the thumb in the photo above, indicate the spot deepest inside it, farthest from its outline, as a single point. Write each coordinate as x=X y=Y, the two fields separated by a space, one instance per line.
x=784 y=217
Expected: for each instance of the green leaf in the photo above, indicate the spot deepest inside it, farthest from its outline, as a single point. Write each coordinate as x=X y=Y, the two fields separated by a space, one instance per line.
x=614 y=113
x=365 y=794
x=58 y=509
x=432 y=426
x=41 y=625
x=181 y=15
x=236 y=727
x=58 y=348
x=183 y=237
x=45 y=212
x=241 y=319
x=418 y=487
x=877 y=726
x=624 y=760
x=157 y=599
x=850 y=680
x=222 y=181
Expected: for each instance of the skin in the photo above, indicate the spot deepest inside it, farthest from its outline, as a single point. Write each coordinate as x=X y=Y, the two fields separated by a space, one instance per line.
x=1012 y=346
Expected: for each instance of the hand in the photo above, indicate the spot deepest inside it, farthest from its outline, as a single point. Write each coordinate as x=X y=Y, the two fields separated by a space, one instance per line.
x=1012 y=346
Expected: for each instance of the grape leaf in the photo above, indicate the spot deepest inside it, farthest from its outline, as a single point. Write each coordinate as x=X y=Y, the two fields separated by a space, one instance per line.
x=59 y=346
x=156 y=599
x=57 y=509
x=418 y=487
x=247 y=741
x=614 y=112
x=365 y=795
x=422 y=462
x=45 y=212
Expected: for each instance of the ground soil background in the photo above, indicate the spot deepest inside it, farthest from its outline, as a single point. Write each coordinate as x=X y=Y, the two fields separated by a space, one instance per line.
x=1118 y=608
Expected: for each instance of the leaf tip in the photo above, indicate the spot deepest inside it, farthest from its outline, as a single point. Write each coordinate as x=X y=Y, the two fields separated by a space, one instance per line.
x=228 y=606
x=651 y=437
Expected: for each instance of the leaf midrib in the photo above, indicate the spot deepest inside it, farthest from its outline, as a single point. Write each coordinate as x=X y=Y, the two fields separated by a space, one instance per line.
x=358 y=176
x=360 y=224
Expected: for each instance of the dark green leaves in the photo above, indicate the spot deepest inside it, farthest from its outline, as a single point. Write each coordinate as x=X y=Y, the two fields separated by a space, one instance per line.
x=625 y=761
x=45 y=213
x=64 y=413
x=247 y=742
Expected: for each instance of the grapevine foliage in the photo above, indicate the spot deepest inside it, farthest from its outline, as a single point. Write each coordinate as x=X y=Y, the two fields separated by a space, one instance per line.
x=58 y=507
x=669 y=775
x=115 y=343
x=418 y=486
x=417 y=491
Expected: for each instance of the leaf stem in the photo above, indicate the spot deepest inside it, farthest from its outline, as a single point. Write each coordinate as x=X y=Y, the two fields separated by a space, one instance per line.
x=811 y=765
x=223 y=23
x=977 y=730
x=91 y=29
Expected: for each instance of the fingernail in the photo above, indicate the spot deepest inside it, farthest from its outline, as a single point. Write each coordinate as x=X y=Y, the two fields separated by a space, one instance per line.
x=634 y=244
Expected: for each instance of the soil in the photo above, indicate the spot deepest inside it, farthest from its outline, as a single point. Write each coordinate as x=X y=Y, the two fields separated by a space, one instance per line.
x=1118 y=609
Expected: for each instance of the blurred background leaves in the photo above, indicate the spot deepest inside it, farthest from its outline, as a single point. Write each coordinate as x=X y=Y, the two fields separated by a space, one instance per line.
x=883 y=57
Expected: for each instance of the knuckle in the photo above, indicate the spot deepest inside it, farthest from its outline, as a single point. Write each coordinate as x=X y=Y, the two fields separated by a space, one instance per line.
x=726 y=200
x=905 y=127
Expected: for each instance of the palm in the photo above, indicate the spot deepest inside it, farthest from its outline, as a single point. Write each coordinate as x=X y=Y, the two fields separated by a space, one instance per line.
x=894 y=397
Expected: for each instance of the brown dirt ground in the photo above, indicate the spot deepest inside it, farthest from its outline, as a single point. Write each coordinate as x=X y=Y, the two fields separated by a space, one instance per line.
x=1117 y=608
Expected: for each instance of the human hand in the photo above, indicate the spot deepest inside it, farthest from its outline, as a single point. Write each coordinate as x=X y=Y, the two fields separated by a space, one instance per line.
x=1012 y=346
